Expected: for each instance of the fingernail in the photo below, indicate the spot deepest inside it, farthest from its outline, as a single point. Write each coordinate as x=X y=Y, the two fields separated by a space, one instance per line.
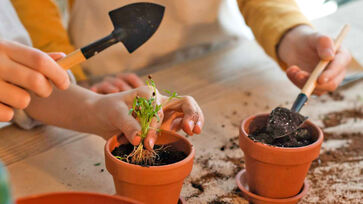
x=151 y=143
x=328 y=53
x=199 y=124
x=191 y=125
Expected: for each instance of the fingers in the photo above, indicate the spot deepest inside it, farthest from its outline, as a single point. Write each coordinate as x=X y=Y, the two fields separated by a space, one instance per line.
x=13 y=96
x=56 y=55
x=153 y=131
x=122 y=82
x=335 y=67
x=324 y=45
x=193 y=119
x=299 y=78
x=6 y=113
x=38 y=61
x=131 y=79
x=118 y=83
x=26 y=78
x=128 y=125
x=104 y=88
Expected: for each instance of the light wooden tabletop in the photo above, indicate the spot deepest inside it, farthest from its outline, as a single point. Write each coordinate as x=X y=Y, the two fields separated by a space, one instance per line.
x=229 y=84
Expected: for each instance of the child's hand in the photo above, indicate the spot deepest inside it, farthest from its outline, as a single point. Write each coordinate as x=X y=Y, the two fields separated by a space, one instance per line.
x=24 y=69
x=113 y=113
x=121 y=82
x=302 y=48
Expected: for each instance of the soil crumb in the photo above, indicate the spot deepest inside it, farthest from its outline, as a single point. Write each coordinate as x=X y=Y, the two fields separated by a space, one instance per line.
x=336 y=118
x=280 y=122
x=165 y=154
x=336 y=96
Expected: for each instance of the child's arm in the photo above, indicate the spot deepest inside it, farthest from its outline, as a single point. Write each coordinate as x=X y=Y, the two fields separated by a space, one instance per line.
x=108 y=115
x=287 y=36
x=24 y=69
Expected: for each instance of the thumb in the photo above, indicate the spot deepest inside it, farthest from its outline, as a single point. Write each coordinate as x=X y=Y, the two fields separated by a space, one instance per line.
x=56 y=55
x=128 y=125
x=324 y=46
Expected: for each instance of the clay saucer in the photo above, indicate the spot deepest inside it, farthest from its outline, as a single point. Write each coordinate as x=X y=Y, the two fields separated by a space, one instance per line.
x=256 y=199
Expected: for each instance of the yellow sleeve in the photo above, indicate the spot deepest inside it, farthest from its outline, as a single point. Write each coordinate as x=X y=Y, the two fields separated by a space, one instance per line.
x=270 y=20
x=42 y=20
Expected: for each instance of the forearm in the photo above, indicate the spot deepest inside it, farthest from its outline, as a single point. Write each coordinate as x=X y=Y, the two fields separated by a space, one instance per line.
x=71 y=109
x=270 y=20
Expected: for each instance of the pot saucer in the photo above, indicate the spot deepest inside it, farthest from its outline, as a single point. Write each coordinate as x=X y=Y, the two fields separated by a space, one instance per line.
x=256 y=199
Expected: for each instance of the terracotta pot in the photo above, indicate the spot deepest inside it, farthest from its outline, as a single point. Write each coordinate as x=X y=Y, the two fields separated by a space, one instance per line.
x=276 y=172
x=75 y=198
x=155 y=184
x=256 y=199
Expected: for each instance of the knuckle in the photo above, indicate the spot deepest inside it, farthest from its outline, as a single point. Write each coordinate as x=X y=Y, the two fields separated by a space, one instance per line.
x=36 y=82
x=40 y=61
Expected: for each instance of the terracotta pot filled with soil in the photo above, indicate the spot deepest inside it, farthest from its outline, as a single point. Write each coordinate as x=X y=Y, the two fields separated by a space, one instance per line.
x=160 y=182
x=277 y=167
x=75 y=198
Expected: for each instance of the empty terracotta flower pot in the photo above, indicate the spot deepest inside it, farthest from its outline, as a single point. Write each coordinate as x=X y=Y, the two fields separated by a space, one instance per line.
x=154 y=184
x=75 y=198
x=276 y=172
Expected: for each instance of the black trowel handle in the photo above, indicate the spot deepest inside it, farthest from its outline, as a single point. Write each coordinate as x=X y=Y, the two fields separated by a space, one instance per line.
x=87 y=51
x=310 y=85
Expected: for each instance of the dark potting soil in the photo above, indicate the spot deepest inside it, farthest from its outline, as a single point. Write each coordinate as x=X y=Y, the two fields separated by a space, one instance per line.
x=166 y=154
x=282 y=121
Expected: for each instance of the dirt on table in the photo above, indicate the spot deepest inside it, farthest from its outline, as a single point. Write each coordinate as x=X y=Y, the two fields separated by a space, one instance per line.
x=336 y=118
x=165 y=154
x=280 y=122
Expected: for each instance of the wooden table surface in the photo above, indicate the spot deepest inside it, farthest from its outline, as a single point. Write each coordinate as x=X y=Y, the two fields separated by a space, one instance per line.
x=229 y=84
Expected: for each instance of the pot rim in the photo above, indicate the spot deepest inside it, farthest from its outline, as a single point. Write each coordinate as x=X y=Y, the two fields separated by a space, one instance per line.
x=248 y=193
x=283 y=149
x=42 y=195
x=163 y=167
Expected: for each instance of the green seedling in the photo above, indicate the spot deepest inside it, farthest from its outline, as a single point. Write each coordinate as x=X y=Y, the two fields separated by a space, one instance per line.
x=145 y=110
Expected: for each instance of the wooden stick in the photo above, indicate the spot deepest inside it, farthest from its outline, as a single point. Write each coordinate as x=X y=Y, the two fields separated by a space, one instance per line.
x=311 y=83
x=71 y=59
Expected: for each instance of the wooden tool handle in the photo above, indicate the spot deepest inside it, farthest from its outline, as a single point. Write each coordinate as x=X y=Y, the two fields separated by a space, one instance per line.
x=311 y=83
x=71 y=59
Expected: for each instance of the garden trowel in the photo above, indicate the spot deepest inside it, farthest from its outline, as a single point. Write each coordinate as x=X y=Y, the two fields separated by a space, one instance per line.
x=285 y=121
x=133 y=25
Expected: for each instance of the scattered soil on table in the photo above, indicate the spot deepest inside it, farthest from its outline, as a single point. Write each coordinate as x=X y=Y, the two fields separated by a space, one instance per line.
x=198 y=183
x=353 y=152
x=336 y=96
x=165 y=154
x=280 y=122
x=247 y=93
x=336 y=118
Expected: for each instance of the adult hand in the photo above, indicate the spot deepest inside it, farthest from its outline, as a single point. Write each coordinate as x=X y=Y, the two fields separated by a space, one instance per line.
x=24 y=69
x=121 y=82
x=302 y=48
x=112 y=112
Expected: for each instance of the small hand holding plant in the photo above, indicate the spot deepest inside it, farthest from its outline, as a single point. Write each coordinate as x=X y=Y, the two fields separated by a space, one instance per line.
x=168 y=112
